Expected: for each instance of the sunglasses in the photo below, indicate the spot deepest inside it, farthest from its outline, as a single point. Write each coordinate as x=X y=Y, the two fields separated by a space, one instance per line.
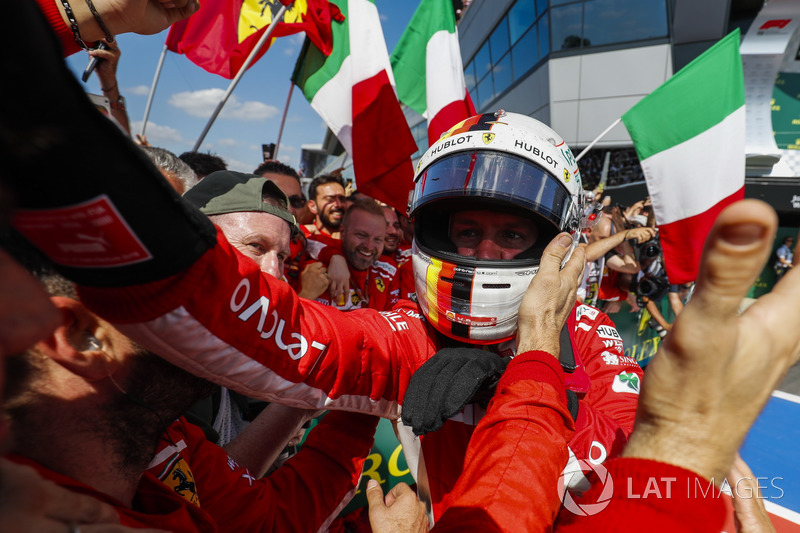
x=297 y=201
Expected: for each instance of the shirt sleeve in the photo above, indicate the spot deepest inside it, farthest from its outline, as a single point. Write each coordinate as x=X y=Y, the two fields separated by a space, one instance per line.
x=326 y=469
x=516 y=453
x=224 y=320
x=640 y=494
x=607 y=411
x=56 y=22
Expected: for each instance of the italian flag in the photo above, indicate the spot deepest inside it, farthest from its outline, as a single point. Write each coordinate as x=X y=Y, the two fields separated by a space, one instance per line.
x=689 y=135
x=428 y=69
x=353 y=91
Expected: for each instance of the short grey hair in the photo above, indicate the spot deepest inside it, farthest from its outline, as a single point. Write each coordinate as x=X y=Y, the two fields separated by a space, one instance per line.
x=169 y=162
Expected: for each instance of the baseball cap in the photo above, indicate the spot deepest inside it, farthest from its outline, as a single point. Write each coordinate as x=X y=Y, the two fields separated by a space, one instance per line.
x=226 y=191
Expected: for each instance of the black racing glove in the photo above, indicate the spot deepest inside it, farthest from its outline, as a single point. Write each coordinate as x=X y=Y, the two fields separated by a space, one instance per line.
x=446 y=383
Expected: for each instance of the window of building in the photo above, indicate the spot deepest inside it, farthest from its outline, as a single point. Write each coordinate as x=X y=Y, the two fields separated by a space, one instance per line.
x=502 y=74
x=567 y=30
x=420 y=133
x=618 y=21
x=483 y=61
x=525 y=53
x=521 y=17
x=528 y=32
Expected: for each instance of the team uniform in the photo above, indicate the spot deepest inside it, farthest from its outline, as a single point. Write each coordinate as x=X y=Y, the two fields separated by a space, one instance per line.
x=529 y=413
x=192 y=298
x=193 y=486
x=377 y=287
x=402 y=259
x=267 y=343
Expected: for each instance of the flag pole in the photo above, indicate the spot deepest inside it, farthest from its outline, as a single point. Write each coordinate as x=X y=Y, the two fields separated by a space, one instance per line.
x=153 y=88
x=605 y=131
x=283 y=121
x=239 y=74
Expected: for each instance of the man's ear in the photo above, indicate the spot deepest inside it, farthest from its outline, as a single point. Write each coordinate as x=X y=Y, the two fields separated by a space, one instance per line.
x=75 y=345
x=312 y=206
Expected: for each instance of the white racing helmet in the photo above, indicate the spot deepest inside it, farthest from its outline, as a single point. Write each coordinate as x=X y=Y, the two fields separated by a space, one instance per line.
x=502 y=162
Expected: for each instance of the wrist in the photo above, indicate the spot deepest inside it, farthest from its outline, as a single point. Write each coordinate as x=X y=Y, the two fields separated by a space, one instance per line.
x=529 y=341
x=118 y=104
x=706 y=456
x=88 y=28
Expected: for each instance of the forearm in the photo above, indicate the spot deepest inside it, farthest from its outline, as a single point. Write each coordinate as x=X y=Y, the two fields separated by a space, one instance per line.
x=327 y=469
x=259 y=445
x=653 y=309
x=89 y=28
x=598 y=249
x=516 y=453
x=118 y=110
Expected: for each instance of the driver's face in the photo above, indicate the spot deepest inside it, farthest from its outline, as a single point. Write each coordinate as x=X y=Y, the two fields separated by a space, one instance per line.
x=485 y=234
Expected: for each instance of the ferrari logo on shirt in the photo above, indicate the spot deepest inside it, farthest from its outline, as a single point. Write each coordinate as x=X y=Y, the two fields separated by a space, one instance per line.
x=566 y=175
x=487 y=138
x=178 y=476
x=380 y=284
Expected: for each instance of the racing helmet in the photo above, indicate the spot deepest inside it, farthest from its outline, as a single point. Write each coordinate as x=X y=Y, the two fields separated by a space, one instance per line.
x=501 y=162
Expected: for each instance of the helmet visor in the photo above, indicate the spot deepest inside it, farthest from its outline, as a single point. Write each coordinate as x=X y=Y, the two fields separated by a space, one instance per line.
x=495 y=176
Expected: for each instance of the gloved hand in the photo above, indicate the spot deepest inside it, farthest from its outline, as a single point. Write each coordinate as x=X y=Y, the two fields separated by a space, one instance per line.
x=442 y=386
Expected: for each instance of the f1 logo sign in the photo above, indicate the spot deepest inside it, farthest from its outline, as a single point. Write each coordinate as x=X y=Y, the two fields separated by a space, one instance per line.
x=778 y=23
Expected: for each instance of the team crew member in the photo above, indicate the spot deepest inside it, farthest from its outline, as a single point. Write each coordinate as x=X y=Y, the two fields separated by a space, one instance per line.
x=397 y=250
x=265 y=342
x=374 y=282
x=327 y=202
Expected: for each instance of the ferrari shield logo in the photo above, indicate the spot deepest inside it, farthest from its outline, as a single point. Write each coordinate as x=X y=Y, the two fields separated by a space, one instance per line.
x=566 y=175
x=487 y=137
x=380 y=284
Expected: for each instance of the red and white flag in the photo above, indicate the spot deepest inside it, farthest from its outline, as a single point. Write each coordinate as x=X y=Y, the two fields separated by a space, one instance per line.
x=427 y=67
x=353 y=91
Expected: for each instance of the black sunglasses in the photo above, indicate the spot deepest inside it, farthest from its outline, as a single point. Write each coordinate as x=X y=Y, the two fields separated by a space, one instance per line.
x=297 y=201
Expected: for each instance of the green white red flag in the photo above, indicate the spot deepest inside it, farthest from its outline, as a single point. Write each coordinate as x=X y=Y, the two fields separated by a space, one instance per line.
x=353 y=91
x=689 y=135
x=428 y=70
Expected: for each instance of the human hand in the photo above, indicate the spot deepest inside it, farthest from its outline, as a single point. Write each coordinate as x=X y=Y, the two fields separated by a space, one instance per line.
x=635 y=209
x=107 y=68
x=715 y=371
x=612 y=307
x=339 y=275
x=550 y=297
x=30 y=503
x=446 y=382
x=141 y=140
x=749 y=513
x=145 y=17
x=313 y=280
x=640 y=235
x=26 y=313
x=399 y=512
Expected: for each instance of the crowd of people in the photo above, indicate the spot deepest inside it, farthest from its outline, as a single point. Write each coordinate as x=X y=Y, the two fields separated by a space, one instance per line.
x=187 y=321
x=623 y=167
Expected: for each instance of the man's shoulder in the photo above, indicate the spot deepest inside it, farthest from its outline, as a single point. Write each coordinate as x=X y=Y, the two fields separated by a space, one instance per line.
x=385 y=267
